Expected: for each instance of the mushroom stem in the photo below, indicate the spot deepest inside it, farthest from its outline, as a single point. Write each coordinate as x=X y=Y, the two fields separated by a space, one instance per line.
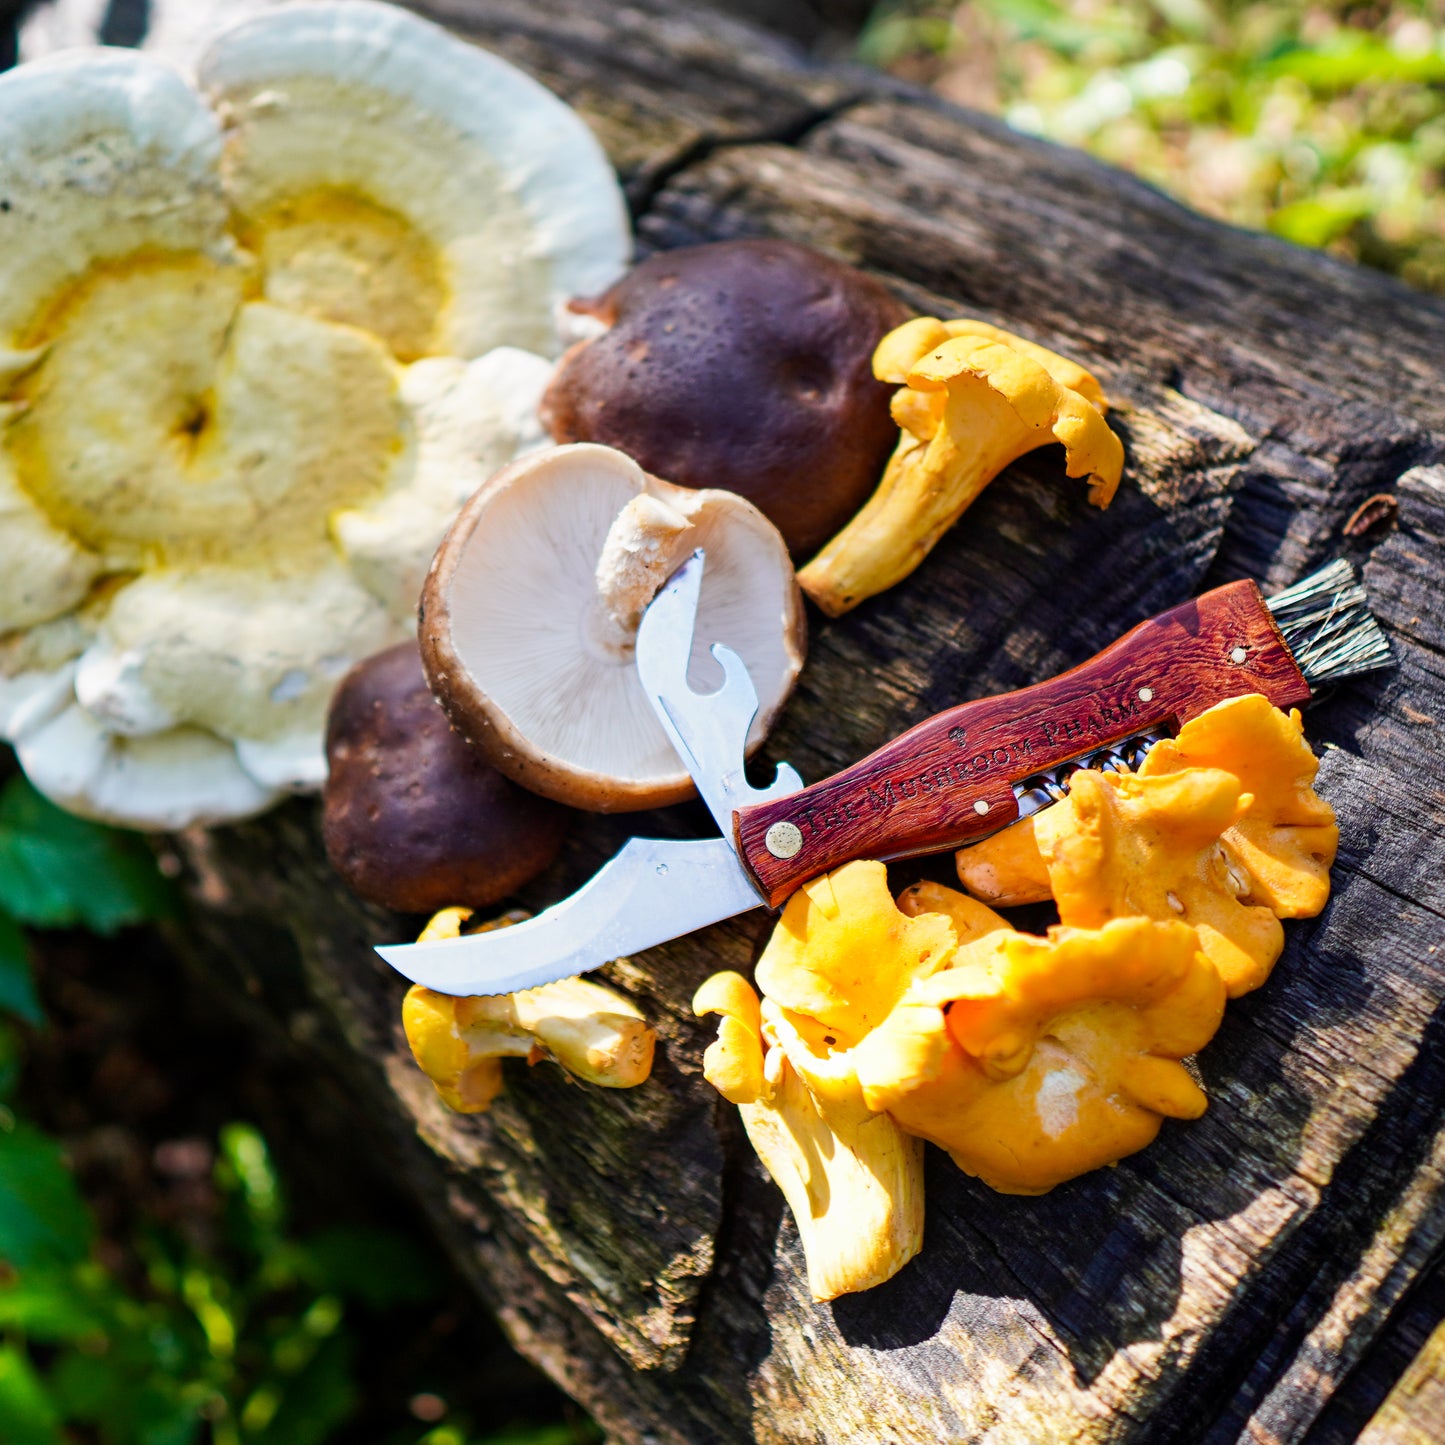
x=851 y=1176
x=591 y=1031
x=853 y=1179
x=973 y=399
x=640 y=553
x=900 y=524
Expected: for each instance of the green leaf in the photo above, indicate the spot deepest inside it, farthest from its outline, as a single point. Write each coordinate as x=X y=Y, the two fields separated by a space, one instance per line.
x=243 y=1149
x=379 y=1267
x=139 y=1394
x=57 y=871
x=17 y=986
x=1057 y=27
x=43 y=1219
x=11 y=1058
x=244 y=1171
x=27 y=1414
x=1353 y=58
x=92 y=1388
x=1317 y=221
x=164 y=1416
x=305 y=1408
x=888 y=39
x=50 y=1305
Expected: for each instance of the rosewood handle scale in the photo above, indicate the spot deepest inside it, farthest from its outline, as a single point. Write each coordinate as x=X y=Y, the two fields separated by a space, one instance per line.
x=921 y=792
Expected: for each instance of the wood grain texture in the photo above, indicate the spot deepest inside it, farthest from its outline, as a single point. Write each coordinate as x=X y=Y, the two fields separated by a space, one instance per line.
x=1414 y=1411
x=949 y=779
x=1221 y=1285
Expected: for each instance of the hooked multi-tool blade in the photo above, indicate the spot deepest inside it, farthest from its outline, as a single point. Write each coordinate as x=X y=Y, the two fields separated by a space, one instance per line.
x=949 y=781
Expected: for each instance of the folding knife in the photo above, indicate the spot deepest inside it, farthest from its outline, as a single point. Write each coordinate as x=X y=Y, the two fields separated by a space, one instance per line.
x=951 y=780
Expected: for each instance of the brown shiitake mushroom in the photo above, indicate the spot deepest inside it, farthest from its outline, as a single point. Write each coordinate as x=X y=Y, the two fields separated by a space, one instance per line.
x=742 y=365
x=414 y=818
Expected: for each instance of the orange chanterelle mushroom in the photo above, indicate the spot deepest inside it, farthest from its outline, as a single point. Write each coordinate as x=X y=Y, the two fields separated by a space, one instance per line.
x=1179 y=841
x=1031 y=1060
x=459 y=1043
x=971 y=399
x=839 y=960
x=1284 y=844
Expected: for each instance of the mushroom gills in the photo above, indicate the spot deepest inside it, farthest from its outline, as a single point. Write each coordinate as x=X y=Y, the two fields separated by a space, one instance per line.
x=530 y=620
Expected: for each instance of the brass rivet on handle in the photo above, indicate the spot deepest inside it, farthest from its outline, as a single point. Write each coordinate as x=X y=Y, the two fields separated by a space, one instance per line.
x=980 y=807
x=783 y=840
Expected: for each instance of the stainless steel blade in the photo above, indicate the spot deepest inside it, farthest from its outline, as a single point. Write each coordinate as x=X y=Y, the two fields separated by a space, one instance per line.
x=708 y=730
x=653 y=890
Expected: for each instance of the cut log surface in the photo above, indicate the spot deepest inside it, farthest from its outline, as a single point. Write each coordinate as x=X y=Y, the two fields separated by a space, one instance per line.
x=1222 y=1284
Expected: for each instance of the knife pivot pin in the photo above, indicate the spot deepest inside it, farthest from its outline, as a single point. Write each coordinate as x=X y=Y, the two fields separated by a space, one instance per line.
x=783 y=840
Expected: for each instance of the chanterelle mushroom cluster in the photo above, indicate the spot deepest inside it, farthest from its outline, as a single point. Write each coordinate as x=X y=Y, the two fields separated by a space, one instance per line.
x=1029 y=1059
x=1221 y=827
x=259 y=339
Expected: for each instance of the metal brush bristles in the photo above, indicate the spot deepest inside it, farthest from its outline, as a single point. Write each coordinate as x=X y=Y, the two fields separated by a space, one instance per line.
x=1328 y=626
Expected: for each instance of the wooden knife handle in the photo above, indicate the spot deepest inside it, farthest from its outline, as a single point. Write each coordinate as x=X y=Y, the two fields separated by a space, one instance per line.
x=949 y=780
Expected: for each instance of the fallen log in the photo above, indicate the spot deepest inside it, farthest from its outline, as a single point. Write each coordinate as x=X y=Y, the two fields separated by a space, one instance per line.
x=1221 y=1285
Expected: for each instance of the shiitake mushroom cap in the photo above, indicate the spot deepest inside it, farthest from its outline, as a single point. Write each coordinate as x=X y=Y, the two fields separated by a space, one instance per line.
x=744 y=365
x=414 y=818
x=517 y=648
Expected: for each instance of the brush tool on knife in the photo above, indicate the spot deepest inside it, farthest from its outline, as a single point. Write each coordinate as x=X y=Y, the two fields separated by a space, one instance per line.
x=951 y=780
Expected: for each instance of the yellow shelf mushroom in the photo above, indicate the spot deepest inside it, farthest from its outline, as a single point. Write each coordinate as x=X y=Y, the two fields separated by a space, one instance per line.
x=972 y=399
x=259 y=340
x=459 y=1043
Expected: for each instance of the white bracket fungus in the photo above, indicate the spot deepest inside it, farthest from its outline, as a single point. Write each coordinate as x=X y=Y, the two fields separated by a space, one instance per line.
x=258 y=343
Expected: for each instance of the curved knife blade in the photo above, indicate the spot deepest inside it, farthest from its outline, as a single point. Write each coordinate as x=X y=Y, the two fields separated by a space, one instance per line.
x=653 y=890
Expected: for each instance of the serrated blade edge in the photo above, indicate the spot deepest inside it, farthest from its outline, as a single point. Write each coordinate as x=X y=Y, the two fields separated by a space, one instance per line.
x=653 y=890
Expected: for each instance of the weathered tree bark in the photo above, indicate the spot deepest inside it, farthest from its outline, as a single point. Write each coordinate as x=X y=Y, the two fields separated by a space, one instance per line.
x=1222 y=1284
